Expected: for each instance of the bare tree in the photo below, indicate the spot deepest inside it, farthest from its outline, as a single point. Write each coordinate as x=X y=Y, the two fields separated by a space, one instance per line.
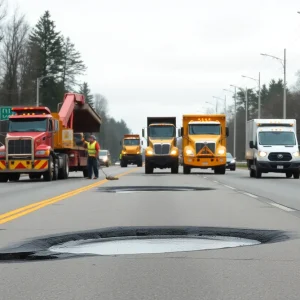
x=14 y=43
x=2 y=16
x=100 y=104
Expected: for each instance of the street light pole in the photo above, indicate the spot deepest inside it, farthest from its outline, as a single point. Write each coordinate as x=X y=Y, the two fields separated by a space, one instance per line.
x=38 y=82
x=259 y=99
x=283 y=62
x=234 y=122
x=225 y=111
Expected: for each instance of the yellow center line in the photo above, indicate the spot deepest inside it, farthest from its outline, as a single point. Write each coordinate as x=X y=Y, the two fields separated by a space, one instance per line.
x=19 y=212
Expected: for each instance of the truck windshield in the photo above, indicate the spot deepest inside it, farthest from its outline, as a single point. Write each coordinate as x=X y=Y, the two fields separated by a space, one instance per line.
x=131 y=142
x=28 y=125
x=195 y=129
x=274 y=138
x=157 y=132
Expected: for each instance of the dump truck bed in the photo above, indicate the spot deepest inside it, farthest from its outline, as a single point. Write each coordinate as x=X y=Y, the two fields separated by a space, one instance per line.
x=161 y=120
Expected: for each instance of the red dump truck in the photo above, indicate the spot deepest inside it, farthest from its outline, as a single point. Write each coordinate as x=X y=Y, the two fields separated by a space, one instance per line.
x=42 y=143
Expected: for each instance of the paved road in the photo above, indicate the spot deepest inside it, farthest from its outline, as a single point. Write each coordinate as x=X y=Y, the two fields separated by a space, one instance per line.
x=268 y=271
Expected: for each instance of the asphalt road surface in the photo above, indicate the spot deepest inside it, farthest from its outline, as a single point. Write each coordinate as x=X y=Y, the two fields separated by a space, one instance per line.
x=30 y=209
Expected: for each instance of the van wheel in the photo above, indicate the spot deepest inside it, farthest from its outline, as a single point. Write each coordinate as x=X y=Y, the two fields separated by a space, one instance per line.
x=296 y=175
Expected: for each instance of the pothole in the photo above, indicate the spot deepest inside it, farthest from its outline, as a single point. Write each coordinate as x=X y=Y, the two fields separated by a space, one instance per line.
x=133 y=189
x=151 y=246
x=138 y=240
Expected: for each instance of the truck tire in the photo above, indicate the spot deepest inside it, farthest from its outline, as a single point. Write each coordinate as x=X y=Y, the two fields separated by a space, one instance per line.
x=148 y=169
x=3 y=177
x=64 y=170
x=257 y=172
x=222 y=170
x=296 y=175
x=186 y=170
x=174 y=168
x=14 y=177
x=33 y=176
x=52 y=172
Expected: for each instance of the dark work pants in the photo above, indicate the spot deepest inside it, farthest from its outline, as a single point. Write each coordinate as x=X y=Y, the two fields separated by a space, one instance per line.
x=93 y=166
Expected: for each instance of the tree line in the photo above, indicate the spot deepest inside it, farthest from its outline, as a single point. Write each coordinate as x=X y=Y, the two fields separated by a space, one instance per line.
x=43 y=52
x=271 y=107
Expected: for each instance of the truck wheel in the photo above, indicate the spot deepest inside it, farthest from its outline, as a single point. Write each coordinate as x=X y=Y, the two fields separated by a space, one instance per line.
x=257 y=173
x=296 y=175
x=14 y=177
x=288 y=175
x=174 y=168
x=222 y=170
x=148 y=169
x=252 y=173
x=64 y=171
x=3 y=177
x=186 y=170
x=50 y=174
x=33 y=176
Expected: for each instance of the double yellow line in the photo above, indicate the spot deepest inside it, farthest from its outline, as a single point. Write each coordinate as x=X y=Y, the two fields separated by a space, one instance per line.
x=17 y=213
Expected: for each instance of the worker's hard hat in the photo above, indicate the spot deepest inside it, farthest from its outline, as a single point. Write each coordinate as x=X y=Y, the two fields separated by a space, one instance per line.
x=93 y=137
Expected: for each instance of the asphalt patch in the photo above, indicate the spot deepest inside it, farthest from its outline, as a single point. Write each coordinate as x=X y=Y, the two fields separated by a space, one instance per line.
x=38 y=249
x=132 y=189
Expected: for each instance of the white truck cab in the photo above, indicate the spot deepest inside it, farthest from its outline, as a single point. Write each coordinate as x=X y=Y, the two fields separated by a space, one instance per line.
x=272 y=147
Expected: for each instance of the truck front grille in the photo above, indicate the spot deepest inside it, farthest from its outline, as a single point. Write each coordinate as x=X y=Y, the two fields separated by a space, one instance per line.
x=19 y=147
x=162 y=149
x=280 y=156
x=210 y=146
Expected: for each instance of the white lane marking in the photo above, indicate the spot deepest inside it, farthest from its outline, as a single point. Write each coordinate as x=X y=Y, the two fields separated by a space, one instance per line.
x=230 y=187
x=215 y=181
x=204 y=177
x=281 y=207
x=250 y=195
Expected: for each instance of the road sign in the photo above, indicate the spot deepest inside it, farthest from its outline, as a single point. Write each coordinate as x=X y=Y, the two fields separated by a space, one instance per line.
x=5 y=112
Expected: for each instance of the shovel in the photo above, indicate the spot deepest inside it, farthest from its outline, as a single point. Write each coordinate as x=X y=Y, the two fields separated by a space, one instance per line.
x=108 y=177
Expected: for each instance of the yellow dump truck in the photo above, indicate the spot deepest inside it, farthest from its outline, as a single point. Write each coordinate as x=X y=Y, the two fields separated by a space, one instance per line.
x=161 y=151
x=131 y=150
x=204 y=142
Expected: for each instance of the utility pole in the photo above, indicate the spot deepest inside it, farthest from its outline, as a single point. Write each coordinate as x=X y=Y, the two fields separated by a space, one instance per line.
x=283 y=62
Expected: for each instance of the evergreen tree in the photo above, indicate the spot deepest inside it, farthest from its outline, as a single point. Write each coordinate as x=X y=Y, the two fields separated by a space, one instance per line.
x=85 y=90
x=46 y=43
x=72 y=65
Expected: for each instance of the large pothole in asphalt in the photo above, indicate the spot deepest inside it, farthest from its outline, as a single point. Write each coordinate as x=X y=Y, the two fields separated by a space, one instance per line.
x=138 y=240
x=132 y=189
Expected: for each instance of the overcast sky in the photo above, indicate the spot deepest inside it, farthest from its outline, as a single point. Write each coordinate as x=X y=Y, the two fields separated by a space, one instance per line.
x=169 y=57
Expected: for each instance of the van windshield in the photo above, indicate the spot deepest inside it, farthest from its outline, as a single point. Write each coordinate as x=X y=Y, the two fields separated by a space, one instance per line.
x=277 y=138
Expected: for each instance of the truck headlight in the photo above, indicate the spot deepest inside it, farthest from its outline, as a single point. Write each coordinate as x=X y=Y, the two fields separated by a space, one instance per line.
x=221 y=151
x=149 y=152
x=173 y=152
x=262 y=153
x=189 y=152
x=42 y=152
x=296 y=154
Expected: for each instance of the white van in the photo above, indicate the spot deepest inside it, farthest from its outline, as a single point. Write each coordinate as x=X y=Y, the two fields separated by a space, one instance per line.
x=272 y=146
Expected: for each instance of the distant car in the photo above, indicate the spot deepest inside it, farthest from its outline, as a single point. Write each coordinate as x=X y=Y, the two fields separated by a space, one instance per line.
x=230 y=162
x=105 y=158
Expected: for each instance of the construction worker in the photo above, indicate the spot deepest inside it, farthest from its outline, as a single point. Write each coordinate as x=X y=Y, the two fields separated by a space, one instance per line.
x=93 y=149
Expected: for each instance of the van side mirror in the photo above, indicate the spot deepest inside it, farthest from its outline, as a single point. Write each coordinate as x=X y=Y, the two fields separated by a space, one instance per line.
x=181 y=131
x=251 y=144
x=227 y=132
x=143 y=132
